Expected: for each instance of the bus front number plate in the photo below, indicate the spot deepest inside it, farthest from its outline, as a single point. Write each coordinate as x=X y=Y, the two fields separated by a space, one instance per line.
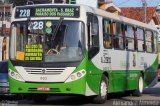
x=43 y=88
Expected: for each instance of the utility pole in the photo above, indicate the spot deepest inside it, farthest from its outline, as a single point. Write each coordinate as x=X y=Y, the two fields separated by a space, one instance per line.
x=52 y=1
x=3 y=19
x=145 y=10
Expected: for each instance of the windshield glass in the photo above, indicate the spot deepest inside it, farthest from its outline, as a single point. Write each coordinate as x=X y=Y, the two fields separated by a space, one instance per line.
x=49 y=41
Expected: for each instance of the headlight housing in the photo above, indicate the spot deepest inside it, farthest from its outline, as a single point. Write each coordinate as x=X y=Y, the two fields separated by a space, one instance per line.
x=76 y=76
x=15 y=76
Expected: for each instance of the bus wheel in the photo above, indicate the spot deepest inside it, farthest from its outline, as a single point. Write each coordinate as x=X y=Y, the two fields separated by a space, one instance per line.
x=39 y=98
x=140 y=88
x=103 y=91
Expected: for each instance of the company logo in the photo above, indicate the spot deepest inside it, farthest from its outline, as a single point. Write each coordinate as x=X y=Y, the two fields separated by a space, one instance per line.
x=43 y=71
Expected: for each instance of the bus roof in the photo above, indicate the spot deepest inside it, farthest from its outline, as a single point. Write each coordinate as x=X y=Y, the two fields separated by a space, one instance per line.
x=103 y=13
x=124 y=19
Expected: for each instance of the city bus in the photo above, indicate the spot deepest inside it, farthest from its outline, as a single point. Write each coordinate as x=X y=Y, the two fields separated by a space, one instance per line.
x=4 y=47
x=65 y=49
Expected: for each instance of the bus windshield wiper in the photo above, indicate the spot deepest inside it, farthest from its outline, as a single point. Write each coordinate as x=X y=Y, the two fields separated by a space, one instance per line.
x=57 y=28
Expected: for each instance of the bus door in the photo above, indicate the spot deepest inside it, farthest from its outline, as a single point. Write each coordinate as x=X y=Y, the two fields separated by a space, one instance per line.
x=93 y=36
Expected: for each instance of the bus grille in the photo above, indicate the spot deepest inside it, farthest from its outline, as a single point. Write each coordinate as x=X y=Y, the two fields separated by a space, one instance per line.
x=45 y=71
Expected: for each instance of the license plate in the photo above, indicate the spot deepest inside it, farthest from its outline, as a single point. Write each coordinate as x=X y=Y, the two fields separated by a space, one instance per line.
x=43 y=88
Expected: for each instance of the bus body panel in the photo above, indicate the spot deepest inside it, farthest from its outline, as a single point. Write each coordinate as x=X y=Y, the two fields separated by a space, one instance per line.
x=87 y=85
x=123 y=68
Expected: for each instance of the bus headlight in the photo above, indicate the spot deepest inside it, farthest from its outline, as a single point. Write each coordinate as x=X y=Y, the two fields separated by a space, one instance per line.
x=76 y=76
x=73 y=77
x=12 y=73
x=15 y=76
x=79 y=74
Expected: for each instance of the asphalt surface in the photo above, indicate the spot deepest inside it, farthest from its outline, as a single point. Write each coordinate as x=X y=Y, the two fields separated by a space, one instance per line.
x=150 y=97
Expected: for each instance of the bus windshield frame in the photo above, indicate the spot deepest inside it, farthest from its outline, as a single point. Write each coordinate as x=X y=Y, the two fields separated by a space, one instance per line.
x=32 y=41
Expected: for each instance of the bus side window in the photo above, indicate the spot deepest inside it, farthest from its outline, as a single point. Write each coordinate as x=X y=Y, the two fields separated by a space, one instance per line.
x=118 y=35
x=135 y=38
x=114 y=32
x=155 y=42
x=107 y=40
x=130 y=38
x=149 y=41
x=140 y=39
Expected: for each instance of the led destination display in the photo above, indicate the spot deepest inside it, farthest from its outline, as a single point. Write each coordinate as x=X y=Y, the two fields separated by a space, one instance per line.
x=33 y=52
x=50 y=11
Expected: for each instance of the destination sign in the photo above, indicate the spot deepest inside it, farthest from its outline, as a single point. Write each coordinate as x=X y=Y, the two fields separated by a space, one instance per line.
x=33 y=52
x=50 y=11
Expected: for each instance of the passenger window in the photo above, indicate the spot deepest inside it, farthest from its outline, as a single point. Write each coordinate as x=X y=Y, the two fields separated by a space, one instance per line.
x=155 y=42
x=140 y=39
x=107 y=40
x=130 y=43
x=149 y=41
x=118 y=36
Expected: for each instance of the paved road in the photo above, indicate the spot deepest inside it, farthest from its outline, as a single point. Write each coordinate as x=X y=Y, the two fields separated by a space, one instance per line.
x=151 y=97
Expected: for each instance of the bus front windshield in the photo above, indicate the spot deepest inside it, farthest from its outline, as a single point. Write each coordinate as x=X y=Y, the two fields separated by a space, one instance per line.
x=48 y=41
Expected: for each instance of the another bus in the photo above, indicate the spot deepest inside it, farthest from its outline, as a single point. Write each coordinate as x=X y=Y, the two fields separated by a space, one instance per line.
x=4 y=47
x=76 y=49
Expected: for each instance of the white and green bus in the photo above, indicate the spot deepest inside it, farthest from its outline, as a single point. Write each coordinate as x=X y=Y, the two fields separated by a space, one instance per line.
x=76 y=49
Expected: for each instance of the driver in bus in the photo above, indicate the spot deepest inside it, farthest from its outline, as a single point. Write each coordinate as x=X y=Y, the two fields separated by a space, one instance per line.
x=57 y=42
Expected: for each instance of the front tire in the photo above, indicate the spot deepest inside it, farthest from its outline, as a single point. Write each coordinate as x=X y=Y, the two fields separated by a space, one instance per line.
x=103 y=91
x=140 y=88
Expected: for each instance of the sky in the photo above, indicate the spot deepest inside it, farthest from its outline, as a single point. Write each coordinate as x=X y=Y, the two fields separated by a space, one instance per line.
x=135 y=3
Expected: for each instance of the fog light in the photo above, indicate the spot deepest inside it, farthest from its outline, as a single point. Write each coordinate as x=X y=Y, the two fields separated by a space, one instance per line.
x=68 y=89
x=20 y=89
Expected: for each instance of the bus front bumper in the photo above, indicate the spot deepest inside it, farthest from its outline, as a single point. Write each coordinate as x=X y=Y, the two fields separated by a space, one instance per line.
x=74 y=87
